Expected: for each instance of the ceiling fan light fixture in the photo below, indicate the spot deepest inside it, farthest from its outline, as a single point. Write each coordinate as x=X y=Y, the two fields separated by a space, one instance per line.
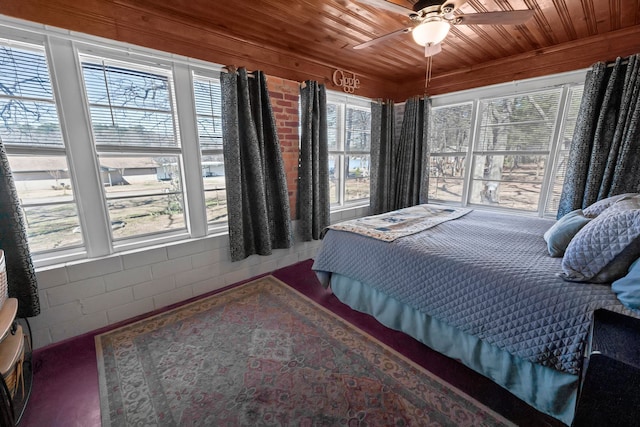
x=430 y=32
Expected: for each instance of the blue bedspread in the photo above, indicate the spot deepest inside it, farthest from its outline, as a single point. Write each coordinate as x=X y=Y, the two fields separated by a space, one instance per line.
x=486 y=274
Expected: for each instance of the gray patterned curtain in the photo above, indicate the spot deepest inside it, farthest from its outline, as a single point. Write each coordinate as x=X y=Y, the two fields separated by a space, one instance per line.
x=313 y=166
x=605 y=151
x=257 y=195
x=382 y=157
x=397 y=166
x=411 y=152
x=21 y=276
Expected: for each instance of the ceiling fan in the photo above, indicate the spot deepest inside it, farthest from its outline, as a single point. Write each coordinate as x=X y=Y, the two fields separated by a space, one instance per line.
x=431 y=21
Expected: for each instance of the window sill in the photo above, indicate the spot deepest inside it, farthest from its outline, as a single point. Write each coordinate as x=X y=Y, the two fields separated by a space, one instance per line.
x=61 y=258
x=349 y=206
x=57 y=258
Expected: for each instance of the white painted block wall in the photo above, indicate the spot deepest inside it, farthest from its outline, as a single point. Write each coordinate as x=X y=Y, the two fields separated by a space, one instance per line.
x=79 y=297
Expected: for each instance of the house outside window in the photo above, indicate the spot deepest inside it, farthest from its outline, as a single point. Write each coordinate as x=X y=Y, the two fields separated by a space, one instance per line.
x=505 y=151
x=31 y=133
x=349 y=138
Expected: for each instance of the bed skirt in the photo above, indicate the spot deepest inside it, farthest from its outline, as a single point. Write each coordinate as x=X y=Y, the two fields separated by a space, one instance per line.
x=548 y=390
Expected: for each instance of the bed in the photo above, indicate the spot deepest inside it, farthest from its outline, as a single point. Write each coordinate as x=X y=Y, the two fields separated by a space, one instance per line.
x=480 y=288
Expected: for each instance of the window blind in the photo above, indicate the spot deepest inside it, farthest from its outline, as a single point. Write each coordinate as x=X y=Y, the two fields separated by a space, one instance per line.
x=208 y=100
x=28 y=112
x=130 y=106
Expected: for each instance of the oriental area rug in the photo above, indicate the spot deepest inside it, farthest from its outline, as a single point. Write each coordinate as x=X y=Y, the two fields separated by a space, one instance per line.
x=260 y=354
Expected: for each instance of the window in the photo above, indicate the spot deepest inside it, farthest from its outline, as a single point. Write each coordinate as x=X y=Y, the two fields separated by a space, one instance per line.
x=208 y=100
x=30 y=130
x=349 y=135
x=449 y=135
x=506 y=151
x=511 y=150
x=135 y=132
x=562 y=151
x=112 y=147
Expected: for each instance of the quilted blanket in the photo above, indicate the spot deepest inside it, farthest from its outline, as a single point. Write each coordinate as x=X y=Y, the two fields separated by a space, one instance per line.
x=403 y=222
x=486 y=274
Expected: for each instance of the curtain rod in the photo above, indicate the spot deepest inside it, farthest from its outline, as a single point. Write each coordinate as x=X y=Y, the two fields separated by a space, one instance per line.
x=384 y=101
x=233 y=69
x=623 y=62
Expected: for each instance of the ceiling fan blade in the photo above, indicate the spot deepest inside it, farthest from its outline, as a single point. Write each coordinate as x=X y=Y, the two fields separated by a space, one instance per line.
x=382 y=38
x=388 y=6
x=511 y=17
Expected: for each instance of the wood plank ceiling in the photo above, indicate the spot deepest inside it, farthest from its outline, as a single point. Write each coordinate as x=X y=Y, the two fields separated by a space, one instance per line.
x=301 y=39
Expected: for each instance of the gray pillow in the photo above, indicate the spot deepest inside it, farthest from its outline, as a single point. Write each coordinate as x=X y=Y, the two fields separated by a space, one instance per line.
x=603 y=250
x=561 y=233
x=625 y=203
x=600 y=206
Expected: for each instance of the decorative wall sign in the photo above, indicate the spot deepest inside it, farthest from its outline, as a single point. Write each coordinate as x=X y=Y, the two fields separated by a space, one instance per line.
x=347 y=80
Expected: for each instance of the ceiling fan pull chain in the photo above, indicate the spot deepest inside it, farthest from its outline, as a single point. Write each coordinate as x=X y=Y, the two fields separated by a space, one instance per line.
x=426 y=75
x=428 y=65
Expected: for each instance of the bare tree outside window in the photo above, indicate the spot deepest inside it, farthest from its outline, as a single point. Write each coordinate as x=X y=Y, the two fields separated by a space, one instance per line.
x=135 y=132
x=450 y=130
x=510 y=151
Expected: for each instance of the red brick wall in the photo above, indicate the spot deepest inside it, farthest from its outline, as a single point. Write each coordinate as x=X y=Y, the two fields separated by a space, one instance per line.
x=284 y=100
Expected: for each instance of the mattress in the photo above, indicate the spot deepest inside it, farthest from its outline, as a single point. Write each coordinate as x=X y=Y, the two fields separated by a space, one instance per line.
x=487 y=274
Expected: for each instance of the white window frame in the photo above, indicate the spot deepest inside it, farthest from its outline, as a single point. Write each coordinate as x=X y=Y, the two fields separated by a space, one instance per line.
x=38 y=43
x=565 y=80
x=466 y=154
x=343 y=101
x=62 y=50
x=107 y=150
x=201 y=73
